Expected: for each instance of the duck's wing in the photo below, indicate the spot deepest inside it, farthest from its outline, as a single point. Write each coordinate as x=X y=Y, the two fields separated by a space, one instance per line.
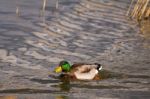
x=76 y=66
x=83 y=68
x=86 y=75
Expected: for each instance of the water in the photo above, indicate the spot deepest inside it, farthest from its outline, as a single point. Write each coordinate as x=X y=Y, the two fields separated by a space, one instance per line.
x=31 y=45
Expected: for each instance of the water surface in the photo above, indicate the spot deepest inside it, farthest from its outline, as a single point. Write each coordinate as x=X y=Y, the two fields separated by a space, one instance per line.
x=91 y=31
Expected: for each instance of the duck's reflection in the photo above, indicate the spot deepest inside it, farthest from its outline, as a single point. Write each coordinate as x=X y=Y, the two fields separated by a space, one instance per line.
x=64 y=82
x=65 y=86
x=61 y=97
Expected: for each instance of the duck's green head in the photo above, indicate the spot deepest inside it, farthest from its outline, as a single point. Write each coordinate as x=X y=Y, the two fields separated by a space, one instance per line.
x=64 y=66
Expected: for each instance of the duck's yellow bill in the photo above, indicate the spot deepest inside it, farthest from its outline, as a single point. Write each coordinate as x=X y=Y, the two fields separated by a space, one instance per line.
x=58 y=69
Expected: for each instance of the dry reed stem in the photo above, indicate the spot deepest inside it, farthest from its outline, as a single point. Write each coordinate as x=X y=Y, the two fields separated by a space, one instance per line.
x=139 y=12
x=135 y=9
x=17 y=8
x=44 y=6
x=17 y=11
x=42 y=10
x=147 y=12
x=144 y=9
x=57 y=4
x=140 y=9
x=130 y=8
x=138 y=6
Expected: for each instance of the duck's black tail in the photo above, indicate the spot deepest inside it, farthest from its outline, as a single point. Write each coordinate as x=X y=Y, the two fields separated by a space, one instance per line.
x=99 y=66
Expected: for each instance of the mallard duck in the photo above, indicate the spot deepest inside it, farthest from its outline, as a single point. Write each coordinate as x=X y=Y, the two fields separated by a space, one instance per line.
x=79 y=71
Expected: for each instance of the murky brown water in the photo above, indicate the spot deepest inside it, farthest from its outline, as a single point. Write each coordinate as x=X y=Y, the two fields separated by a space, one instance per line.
x=81 y=31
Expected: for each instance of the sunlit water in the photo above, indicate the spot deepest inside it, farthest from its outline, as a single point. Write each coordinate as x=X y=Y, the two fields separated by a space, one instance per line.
x=31 y=45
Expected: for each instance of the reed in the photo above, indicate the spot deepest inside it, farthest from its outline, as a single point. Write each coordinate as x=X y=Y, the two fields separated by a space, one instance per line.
x=57 y=4
x=44 y=6
x=139 y=9
x=17 y=8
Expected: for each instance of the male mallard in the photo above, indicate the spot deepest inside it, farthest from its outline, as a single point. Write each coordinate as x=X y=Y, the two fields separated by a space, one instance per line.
x=80 y=71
